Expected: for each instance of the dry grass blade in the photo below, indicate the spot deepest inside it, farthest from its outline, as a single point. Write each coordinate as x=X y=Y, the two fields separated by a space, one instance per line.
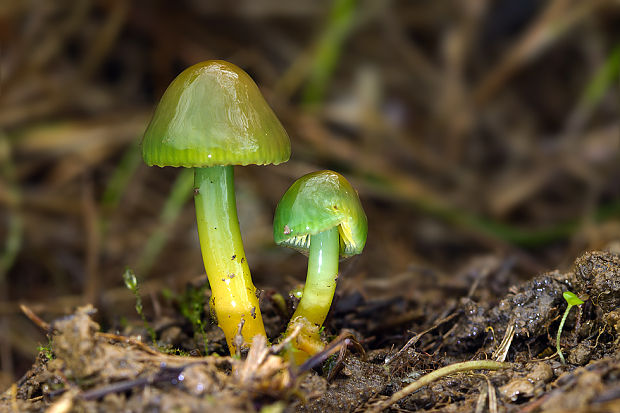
x=38 y=321
x=557 y=19
x=435 y=375
x=262 y=372
x=502 y=351
x=417 y=337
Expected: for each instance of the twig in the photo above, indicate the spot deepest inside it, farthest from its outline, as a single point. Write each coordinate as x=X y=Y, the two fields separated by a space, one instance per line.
x=280 y=346
x=415 y=338
x=344 y=339
x=435 y=375
x=163 y=375
x=128 y=340
x=339 y=364
x=38 y=321
x=155 y=353
x=555 y=21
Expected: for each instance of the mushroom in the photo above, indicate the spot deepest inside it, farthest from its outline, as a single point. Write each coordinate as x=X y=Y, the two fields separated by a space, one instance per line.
x=213 y=116
x=321 y=215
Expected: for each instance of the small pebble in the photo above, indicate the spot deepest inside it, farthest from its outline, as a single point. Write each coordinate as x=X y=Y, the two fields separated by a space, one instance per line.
x=581 y=354
x=517 y=388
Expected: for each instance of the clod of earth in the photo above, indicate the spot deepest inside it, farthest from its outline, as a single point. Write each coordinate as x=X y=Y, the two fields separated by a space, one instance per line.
x=531 y=308
x=597 y=276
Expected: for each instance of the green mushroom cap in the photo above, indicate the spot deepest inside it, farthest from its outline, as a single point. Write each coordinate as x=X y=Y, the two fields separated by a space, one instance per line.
x=315 y=203
x=214 y=114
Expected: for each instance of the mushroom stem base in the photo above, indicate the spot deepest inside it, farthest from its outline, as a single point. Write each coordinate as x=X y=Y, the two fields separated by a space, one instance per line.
x=308 y=341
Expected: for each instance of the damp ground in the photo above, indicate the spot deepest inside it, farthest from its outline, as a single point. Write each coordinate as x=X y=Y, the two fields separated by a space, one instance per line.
x=379 y=347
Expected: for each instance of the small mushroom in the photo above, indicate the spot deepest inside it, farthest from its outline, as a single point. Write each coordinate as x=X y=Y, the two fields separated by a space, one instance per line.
x=321 y=215
x=213 y=116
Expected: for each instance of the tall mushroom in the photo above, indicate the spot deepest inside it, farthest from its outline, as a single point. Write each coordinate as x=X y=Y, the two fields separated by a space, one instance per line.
x=321 y=215
x=213 y=116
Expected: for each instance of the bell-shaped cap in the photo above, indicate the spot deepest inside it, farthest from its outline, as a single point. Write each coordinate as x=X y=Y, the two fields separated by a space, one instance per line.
x=214 y=114
x=315 y=203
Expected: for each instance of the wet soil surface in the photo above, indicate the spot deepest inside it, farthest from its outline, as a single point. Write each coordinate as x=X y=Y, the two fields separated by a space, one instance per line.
x=399 y=341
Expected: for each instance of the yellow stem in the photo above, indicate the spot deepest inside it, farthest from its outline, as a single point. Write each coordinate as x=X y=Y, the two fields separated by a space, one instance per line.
x=234 y=297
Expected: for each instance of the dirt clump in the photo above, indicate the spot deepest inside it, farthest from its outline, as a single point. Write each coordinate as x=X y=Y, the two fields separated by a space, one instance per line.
x=597 y=276
x=357 y=381
x=530 y=308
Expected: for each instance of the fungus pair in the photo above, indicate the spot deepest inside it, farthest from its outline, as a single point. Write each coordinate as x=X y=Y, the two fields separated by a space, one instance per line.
x=211 y=117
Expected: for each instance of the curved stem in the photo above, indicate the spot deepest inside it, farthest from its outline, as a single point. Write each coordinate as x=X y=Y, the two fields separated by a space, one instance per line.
x=318 y=290
x=557 y=341
x=435 y=375
x=234 y=297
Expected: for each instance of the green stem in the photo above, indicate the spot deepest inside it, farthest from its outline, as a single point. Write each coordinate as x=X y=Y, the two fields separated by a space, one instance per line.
x=234 y=297
x=322 y=276
x=318 y=294
x=557 y=341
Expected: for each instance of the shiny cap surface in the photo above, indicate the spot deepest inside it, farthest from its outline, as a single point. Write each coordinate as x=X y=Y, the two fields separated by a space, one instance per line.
x=214 y=114
x=315 y=203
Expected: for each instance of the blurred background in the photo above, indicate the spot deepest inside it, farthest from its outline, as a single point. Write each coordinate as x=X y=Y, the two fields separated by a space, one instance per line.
x=482 y=135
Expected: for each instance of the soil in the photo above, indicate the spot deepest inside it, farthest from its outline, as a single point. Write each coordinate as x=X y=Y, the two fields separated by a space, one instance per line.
x=86 y=370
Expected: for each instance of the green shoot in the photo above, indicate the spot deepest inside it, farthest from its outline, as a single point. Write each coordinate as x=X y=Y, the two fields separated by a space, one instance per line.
x=278 y=301
x=131 y=282
x=117 y=186
x=118 y=182
x=571 y=300
x=13 y=236
x=340 y=23
x=603 y=80
x=47 y=350
x=180 y=194
x=192 y=304
x=15 y=226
